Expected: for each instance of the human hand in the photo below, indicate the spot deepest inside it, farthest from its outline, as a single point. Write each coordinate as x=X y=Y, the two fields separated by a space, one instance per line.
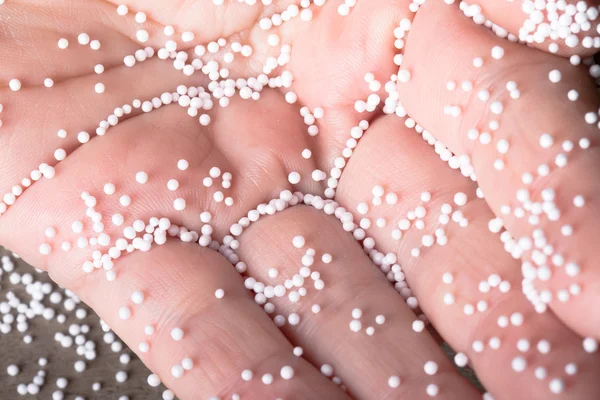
x=260 y=143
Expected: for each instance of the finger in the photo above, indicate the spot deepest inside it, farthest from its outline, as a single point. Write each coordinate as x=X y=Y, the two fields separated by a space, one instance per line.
x=34 y=115
x=179 y=287
x=575 y=26
x=57 y=202
x=223 y=337
x=366 y=42
x=405 y=165
x=527 y=169
x=363 y=363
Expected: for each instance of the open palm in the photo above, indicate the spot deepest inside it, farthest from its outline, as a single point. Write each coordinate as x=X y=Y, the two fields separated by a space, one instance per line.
x=260 y=143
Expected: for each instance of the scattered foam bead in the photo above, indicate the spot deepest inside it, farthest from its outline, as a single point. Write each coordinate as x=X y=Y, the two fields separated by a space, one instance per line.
x=460 y=199
x=540 y=373
x=140 y=17
x=327 y=370
x=79 y=366
x=63 y=43
x=556 y=385
x=293 y=319
x=149 y=330
x=393 y=381
x=122 y=10
x=461 y=360
x=362 y=208
x=124 y=313
x=77 y=226
x=432 y=390
x=294 y=178
x=187 y=364
x=14 y=85
x=173 y=184
x=543 y=346
x=546 y=140
x=83 y=39
x=298 y=241
x=141 y=177
x=448 y=299
x=418 y=326
x=13 y=370
x=60 y=154
x=555 y=76
x=137 y=297
x=355 y=325
x=214 y=172
x=177 y=334
x=519 y=364
x=516 y=319
x=183 y=165
x=430 y=368
x=179 y=204
x=494 y=343
x=267 y=379
x=523 y=345
x=177 y=371
x=573 y=95
x=247 y=375
x=391 y=198
x=153 y=380
x=287 y=372
x=168 y=395
x=377 y=191
x=469 y=309
x=169 y=30
x=121 y=376
x=142 y=35
x=497 y=52
x=590 y=345
x=447 y=278
x=571 y=369
x=45 y=249
x=496 y=107
x=109 y=189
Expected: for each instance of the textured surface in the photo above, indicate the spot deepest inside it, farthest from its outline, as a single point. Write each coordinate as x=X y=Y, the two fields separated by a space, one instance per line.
x=61 y=360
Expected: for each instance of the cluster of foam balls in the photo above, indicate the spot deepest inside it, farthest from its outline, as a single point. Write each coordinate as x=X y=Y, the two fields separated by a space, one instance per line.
x=553 y=21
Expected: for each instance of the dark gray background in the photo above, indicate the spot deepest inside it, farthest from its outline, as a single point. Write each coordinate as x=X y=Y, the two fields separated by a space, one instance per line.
x=61 y=360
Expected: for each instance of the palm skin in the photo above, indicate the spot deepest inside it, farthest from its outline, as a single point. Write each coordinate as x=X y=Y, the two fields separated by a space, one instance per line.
x=260 y=143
